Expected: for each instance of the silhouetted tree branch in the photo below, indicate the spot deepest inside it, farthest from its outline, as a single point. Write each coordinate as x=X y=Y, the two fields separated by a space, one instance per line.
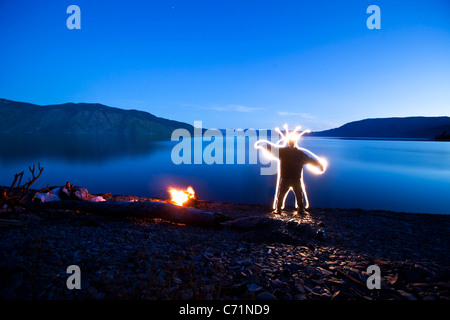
x=15 y=195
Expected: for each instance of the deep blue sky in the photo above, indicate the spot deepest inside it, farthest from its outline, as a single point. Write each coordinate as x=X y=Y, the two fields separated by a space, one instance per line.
x=232 y=64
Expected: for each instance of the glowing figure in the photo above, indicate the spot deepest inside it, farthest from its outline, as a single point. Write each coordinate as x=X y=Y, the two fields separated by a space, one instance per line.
x=290 y=176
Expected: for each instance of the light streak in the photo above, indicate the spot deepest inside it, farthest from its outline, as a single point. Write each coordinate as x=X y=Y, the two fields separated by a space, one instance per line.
x=295 y=136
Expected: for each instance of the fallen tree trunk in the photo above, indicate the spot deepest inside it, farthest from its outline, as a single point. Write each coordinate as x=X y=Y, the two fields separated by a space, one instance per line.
x=143 y=209
x=253 y=228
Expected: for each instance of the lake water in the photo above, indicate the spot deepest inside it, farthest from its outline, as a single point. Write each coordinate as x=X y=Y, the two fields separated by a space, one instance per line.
x=404 y=176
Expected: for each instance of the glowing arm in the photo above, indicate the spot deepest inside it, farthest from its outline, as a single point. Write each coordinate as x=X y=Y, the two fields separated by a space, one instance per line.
x=314 y=162
x=268 y=148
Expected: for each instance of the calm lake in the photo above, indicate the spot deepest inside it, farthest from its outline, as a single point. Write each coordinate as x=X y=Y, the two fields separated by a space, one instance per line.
x=404 y=176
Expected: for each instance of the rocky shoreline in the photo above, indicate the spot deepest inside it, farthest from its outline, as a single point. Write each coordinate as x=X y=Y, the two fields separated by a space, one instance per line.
x=148 y=259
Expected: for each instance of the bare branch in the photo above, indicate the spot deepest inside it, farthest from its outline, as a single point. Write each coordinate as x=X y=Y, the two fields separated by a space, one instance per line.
x=16 y=176
x=26 y=186
x=17 y=192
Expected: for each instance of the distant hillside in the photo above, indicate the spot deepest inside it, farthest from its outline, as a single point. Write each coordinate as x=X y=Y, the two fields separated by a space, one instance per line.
x=82 y=118
x=407 y=128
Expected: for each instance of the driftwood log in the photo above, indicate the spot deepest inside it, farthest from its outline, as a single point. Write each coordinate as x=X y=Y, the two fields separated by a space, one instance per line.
x=253 y=228
x=143 y=209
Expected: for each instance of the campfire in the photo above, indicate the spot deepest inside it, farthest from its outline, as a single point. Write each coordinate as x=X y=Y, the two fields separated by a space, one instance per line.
x=182 y=197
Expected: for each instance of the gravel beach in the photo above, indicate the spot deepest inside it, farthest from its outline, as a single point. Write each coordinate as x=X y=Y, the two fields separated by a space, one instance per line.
x=148 y=259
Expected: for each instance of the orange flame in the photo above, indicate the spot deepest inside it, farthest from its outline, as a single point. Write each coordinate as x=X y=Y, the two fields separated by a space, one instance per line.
x=180 y=197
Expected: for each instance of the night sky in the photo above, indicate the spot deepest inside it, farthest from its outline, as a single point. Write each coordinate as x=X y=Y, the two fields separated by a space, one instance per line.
x=232 y=64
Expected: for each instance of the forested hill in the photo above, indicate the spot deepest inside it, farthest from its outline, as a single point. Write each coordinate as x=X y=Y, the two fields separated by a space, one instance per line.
x=82 y=118
x=407 y=128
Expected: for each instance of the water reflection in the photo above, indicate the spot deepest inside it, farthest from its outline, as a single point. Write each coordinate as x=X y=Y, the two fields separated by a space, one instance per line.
x=74 y=148
x=411 y=176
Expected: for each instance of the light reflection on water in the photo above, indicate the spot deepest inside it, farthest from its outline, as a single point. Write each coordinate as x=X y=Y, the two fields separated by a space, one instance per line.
x=410 y=176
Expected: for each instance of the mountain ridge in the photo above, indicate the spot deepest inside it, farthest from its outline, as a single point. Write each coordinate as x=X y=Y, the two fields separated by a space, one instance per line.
x=83 y=118
x=99 y=119
x=415 y=127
